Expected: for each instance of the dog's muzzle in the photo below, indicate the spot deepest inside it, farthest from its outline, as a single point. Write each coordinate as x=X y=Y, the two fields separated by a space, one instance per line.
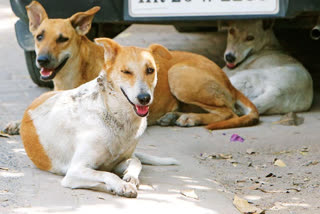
x=49 y=73
x=143 y=109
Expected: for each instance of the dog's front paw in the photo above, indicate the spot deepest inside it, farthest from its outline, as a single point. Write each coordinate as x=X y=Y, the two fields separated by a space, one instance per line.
x=188 y=120
x=131 y=179
x=128 y=190
x=168 y=119
x=12 y=128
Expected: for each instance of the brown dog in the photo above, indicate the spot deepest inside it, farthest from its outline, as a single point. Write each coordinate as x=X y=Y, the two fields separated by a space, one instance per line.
x=64 y=53
x=186 y=82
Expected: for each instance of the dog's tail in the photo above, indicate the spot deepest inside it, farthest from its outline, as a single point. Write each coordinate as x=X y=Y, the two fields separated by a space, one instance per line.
x=250 y=117
x=155 y=160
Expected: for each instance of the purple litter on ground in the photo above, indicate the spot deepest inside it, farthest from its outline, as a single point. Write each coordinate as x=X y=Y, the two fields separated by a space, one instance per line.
x=235 y=138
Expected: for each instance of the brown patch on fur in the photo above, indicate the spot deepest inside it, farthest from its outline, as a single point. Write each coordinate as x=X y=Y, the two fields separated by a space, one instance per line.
x=30 y=138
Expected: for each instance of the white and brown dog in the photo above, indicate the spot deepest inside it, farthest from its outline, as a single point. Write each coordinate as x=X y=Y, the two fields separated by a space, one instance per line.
x=257 y=66
x=90 y=133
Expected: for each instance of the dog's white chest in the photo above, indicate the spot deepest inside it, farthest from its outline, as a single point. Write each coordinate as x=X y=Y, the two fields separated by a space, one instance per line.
x=78 y=120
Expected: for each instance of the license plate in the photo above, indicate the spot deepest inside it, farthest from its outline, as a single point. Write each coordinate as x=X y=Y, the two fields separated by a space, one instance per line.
x=178 y=8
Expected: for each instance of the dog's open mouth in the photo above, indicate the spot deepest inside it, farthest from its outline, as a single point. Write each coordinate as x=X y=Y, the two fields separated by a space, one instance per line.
x=49 y=74
x=141 y=111
x=234 y=65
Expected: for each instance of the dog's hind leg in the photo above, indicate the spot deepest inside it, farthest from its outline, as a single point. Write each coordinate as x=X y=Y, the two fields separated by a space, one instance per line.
x=195 y=86
x=129 y=170
x=195 y=119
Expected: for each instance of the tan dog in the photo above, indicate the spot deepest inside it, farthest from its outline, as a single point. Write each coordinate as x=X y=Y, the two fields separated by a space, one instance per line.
x=186 y=79
x=256 y=65
x=90 y=133
x=64 y=53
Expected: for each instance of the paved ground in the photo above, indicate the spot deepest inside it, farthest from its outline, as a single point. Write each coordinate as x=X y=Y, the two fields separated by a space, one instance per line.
x=291 y=189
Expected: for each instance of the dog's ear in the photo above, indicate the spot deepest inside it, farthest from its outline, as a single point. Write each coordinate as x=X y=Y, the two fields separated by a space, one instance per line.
x=36 y=14
x=111 y=48
x=159 y=50
x=267 y=24
x=82 y=21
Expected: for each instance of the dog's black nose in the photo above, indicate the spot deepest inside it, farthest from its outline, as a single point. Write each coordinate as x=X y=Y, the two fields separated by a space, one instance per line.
x=144 y=99
x=230 y=58
x=43 y=60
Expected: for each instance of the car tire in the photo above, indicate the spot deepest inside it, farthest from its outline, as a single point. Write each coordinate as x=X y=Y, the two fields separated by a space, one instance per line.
x=34 y=72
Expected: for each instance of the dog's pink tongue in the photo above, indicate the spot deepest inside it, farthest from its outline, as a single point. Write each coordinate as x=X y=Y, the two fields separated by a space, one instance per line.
x=142 y=110
x=231 y=65
x=46 y=72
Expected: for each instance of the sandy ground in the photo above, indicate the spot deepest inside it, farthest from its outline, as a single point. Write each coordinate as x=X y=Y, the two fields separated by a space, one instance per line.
x=244 y=168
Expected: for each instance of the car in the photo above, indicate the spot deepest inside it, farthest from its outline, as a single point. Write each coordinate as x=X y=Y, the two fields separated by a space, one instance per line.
x=186 y=15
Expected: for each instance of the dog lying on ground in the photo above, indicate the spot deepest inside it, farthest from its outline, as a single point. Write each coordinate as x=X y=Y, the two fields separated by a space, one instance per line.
x=274 y=81
x=186 y=82
x=189 y=80
x=90 y=133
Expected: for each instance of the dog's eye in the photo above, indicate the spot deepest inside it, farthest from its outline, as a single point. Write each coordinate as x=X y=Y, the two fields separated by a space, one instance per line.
x=150 y=70
x=249 y=38
x=40 y=37
x=126 y=72
x=62 y=39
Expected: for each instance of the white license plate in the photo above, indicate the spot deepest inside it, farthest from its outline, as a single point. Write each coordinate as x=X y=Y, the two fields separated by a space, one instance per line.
x=178 y=8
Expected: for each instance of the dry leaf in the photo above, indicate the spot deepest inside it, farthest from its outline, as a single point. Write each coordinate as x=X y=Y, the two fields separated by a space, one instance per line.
x=4 y=168
x=244 y=207
x=241 y=181
x=190 y=193
x=204 y=156
x=233 y=162
x=270 y=175
x=279 y=163
x=271 y=191
x=311 y=163
x=304 y=151
x=224 y=156
x=294 y=189
x=250 y=151
x=2 y=134
x=282 y=152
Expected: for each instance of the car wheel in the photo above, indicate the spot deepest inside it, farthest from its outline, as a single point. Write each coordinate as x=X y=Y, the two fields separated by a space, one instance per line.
x=34 y=72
